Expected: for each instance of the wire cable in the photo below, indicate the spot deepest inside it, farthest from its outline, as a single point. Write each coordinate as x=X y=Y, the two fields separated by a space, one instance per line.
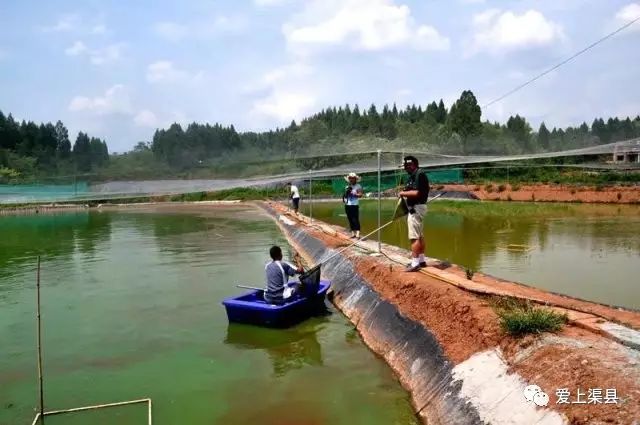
x=553 y=68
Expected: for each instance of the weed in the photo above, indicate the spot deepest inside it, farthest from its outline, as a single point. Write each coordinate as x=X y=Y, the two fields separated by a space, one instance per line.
x=469 y=273
x=515 y=187
x=502 y=188
x=619 y=196
x=520 y=317
x=489 y=188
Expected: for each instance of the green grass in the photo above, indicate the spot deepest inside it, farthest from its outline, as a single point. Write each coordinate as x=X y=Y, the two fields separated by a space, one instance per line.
x=520 y=317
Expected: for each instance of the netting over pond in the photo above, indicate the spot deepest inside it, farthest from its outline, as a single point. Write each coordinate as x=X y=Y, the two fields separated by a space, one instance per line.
x=265 y=172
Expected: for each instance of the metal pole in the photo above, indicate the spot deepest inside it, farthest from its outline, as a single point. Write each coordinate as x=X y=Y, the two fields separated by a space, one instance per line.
x=39 y=344
x=310 y=198
x=379 y=198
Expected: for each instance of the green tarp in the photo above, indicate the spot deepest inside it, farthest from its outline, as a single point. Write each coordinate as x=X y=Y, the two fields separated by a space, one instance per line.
x=369 y=183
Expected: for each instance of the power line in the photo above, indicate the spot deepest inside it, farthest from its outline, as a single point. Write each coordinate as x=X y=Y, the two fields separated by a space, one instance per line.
x=523 y=85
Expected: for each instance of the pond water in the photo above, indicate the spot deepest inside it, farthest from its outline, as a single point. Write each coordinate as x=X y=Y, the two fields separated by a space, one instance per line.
x=131 y=309
x=583 y=250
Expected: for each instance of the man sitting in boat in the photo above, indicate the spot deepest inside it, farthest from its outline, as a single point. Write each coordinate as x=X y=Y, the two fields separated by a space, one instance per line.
x=278 y=273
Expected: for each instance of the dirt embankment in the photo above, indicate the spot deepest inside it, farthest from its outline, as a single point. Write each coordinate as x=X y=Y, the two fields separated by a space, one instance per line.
x=550 y=193
x=465 y=324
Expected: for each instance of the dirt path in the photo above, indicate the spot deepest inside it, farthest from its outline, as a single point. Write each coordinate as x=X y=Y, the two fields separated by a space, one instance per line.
x=550 y=193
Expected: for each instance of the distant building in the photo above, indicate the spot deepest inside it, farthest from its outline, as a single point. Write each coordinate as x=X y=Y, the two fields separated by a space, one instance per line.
x=627 y=152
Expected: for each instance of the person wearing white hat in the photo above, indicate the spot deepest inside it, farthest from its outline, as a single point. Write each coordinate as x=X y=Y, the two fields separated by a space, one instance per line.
x=351 y=198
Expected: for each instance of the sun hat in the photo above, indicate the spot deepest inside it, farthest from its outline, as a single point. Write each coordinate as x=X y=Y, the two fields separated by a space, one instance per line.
x=352 y=175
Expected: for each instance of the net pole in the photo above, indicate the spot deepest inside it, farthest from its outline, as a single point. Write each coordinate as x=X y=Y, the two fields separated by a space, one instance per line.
x=310 y=198
x=41 y=386
x=379 y=196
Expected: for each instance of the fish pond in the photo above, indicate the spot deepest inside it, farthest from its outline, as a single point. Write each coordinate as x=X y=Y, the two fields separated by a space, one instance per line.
x=131 y=309
x=589 y=251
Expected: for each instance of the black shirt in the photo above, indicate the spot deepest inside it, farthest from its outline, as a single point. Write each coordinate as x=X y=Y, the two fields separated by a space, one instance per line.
x=420 y=182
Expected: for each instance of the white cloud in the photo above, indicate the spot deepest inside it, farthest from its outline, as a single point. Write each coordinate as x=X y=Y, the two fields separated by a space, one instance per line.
x=100 y=56
x=65 y=23
x=171 y=31
x=628 y=14
x=269 y=2
x=230 y=24
x=165 y=72
x=290 y=95
x=107 y=54
x=99 y=29
x=76 y=49
x=203 y=29
x=361 y=24
x=115 y=100
x=146 y=118
x=285 y=106
x=499 y=32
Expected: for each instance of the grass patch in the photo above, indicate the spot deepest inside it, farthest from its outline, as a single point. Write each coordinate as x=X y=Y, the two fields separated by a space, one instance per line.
x=520 y=317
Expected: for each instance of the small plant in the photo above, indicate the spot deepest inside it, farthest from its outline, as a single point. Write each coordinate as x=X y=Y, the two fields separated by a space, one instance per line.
x=489 y=188
x=619 y=196
x=599 y=188
x=478 y=187
x=520 y=317
x=533 y=196
x=515 y=188
x=573 y=191
x=509 y=198
x=440 y=187
x=469 y=273
x=502 y=188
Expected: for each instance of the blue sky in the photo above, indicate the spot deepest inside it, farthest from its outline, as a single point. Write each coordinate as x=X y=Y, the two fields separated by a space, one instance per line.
x=121 y=69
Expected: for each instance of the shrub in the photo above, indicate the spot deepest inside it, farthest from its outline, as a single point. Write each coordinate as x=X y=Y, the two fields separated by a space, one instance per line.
x=502 y=188
x=515 y=187
x=489 y=188
x=519 y=317
x=619 y=196
x=573 y=191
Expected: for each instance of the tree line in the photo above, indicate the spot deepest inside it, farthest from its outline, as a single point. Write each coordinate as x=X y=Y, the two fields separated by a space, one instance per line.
x=31 y=149
x=28 y=149
x=455 y=130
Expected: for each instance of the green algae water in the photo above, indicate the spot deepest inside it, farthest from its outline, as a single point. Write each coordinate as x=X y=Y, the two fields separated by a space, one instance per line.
x=584 y=250
x=131 y=309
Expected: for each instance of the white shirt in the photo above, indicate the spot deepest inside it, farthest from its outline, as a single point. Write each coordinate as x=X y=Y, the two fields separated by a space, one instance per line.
x=352 y=199
x=294 y=191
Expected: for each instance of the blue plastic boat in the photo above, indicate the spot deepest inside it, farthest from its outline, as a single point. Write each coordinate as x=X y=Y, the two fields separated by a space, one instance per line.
x=251 y=308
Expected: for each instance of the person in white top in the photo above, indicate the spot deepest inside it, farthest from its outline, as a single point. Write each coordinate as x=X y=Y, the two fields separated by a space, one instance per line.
x=351 y=198
x=294 y=195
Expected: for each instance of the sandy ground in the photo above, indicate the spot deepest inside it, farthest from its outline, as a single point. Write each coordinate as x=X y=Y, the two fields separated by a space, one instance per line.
x=551 y=193
x=465 y=324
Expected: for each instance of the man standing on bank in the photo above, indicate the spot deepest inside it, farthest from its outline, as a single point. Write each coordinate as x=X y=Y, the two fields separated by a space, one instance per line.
x=415 y=195
x=351 y=198
x=294 y=195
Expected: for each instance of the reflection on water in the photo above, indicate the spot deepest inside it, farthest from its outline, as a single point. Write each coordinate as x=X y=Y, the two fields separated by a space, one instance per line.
x=132 y=309
x=288 y=350
x=587 y=251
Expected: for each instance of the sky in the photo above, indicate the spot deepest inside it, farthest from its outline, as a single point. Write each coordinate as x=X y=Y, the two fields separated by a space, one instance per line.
x=119 y=70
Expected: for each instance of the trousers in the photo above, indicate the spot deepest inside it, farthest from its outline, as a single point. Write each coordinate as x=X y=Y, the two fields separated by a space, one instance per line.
x=353 y=215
